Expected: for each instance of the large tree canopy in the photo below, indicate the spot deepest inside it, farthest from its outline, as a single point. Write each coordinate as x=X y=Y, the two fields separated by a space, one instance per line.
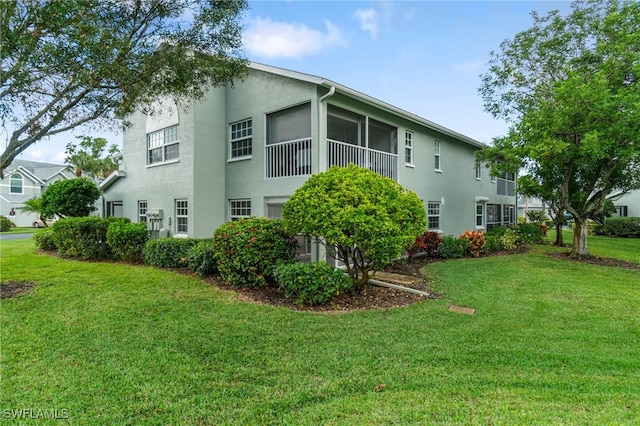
x=66 y=63
x=570 y=87
x=72 y=197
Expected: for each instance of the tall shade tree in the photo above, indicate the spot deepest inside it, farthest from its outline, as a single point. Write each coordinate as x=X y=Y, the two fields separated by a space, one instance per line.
x=92 y=156
x=67 y=63
x=569 y=87
x=362 y=218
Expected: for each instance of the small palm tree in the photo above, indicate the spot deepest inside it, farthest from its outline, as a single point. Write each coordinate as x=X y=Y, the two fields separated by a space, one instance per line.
x=34 y=205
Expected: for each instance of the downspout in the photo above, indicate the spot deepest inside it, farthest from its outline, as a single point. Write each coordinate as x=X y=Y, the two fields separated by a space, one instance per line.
x=319 y=251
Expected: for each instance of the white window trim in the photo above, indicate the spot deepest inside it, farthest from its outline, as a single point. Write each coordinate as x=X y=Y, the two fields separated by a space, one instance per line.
x=439 y=215
x=235 y=200
x=483 y=214
x=478 y=167
x=163 y=146
x=178 y=232
x=231 y=140
x=408 y=137
x=21 y=184
x=438 y=154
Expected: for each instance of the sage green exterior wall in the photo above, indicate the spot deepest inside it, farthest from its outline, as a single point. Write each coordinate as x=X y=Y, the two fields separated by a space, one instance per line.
x=207 y=178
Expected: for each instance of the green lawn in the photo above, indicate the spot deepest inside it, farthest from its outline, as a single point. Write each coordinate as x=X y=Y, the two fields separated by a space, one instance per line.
x=552 y=342
x=20 y=230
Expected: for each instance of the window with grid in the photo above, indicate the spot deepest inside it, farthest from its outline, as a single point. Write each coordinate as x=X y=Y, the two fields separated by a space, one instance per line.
x=480 y=215
x=438 y=162
x=408 y=148
x=163 y=145
x=240 y=208
x=478 y=170
x=182 y=217
x=241 y=139
x=433 y=215
x=16 y=183
x=142 y=211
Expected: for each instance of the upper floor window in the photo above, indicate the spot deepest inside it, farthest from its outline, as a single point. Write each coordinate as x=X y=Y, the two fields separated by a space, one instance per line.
x=163 y=145
x=437 y=159
x=182 y=217
x=507 y=184
x=408 y=148
x=16 y=183
x=241 y=139
x=478 y=170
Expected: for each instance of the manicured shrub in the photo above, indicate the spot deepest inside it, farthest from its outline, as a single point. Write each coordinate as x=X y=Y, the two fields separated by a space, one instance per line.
x=71 y=197
x=452 y=248
x=529 y=233
x=491 y=244
x=497 y=231
x=44 y=239
x=476 y=242
x=168 y=252
x=310 y=283
x=247 y=250
x=5 y=224
x=509 y=240
x=200 y=258
x=622 y=227
x=126 y=240
x=427 y=243
x=83 y=238
x=364 y=219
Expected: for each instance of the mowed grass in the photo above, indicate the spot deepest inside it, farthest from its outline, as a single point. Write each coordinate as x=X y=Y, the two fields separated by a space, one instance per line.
x=552 y=342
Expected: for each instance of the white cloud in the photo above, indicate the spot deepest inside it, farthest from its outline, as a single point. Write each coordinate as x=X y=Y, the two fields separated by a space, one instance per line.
x=266 y=38
x=368 y=21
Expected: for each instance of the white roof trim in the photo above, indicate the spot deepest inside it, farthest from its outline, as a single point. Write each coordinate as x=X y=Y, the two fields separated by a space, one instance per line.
x=366 y=99
x=26 y=172
x=111 y=179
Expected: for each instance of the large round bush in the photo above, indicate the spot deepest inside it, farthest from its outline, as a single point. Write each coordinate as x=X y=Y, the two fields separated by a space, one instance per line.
x=247 y=250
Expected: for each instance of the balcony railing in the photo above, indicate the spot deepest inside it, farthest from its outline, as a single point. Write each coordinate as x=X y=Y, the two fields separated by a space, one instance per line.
x=291 y=158
x=342 y=154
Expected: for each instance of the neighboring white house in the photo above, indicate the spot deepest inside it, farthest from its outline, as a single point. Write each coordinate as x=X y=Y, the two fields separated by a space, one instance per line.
x=627 y=204
x=246 y=148
x=24 y=180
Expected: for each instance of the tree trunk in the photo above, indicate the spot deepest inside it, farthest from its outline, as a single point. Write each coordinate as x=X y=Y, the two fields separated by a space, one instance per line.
x=559 y=240
x=580 y=233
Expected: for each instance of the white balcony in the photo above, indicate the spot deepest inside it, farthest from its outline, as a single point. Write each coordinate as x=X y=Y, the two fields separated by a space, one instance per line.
x=285 y=159
x=342 y=154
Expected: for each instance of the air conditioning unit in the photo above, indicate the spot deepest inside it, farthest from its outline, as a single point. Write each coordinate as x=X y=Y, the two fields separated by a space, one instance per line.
x=154 y=214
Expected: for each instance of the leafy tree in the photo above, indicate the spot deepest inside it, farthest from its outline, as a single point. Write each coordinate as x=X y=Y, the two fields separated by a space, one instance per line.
x=87 y=156
x=363 y=219
x=570 y=88
x=68 y=63
x=72 y=197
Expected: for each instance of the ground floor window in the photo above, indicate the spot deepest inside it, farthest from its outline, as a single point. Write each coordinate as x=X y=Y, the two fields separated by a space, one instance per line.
x=114 y=209
x=479 y=215
x=239 y=208
x=274 y=211
x=182 y=216
x=433 y=215
x=142 y=211
x=622 y=211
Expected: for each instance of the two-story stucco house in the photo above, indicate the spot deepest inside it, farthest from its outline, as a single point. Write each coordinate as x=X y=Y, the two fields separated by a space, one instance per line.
x=23 y=180
x=245 y=149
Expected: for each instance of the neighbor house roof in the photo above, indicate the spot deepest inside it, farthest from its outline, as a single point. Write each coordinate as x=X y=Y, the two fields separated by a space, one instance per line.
x=320 y=81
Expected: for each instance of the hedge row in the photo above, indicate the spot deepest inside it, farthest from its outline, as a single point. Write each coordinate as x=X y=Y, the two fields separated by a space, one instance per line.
x=625 y=227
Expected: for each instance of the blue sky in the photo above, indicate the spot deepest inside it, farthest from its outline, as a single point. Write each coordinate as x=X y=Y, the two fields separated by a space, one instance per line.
x=422 y=56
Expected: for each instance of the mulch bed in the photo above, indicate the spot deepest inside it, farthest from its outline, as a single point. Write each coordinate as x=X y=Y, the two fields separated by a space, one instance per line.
x=596 y=260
